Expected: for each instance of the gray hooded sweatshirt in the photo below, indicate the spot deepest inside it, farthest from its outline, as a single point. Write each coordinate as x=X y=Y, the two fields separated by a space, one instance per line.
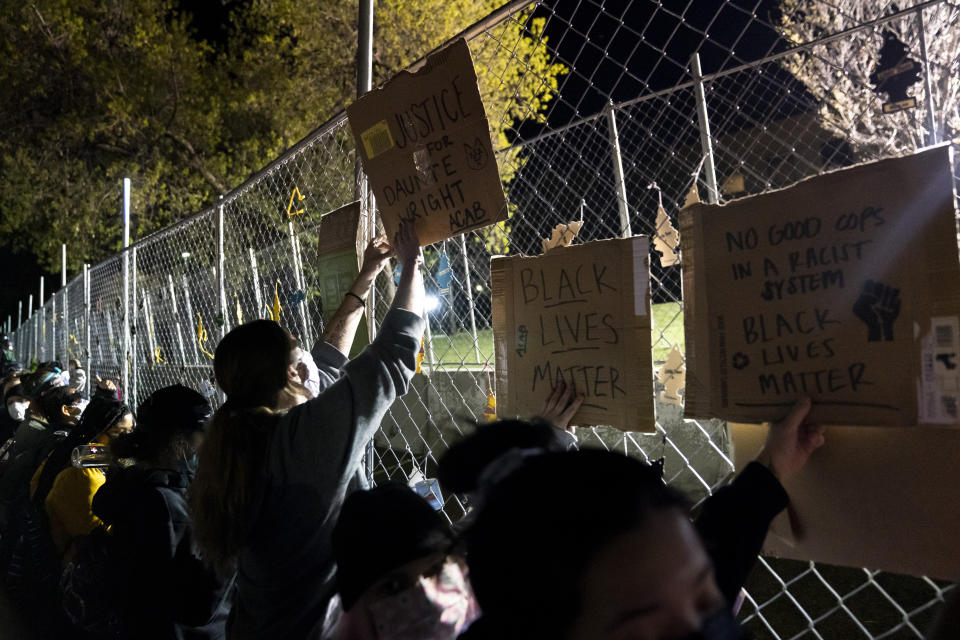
x=286 y=572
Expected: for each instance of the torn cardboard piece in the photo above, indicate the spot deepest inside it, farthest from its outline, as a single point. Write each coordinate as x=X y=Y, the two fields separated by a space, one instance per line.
x=693 y=196
x=339 y=256
x=666 y=239
x=833 y=288
x=562 y=235
x=870 y=497
x=672 y=376
x=424 y=142
x=577 y=314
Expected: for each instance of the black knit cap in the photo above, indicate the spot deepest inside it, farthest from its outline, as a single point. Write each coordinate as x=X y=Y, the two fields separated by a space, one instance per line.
x=174 y=409
x=380 y=530
x=16 y=390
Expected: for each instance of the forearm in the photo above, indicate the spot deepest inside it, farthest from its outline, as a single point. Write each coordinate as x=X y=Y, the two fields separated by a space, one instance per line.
x=343 y=325
x=410 y=291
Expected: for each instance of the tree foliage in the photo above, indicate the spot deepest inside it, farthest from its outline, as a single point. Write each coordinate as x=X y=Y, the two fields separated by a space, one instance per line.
x=838 y=73
x=98 y=90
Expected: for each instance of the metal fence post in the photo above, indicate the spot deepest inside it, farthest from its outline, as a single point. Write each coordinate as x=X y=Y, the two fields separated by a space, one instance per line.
x=65 y=303
x=706 y=143
x=133 y=360
x=42 y=325
x=221 y=278
x=469 y=285
x=86 y=325
x=932 y=134
x=176 y=321
x=621 y=187
x=364 y=84
x=53 y=327
x=32 y=339
x=298 y=282
x=255 y=272
x=125 y=365
x=192 y=323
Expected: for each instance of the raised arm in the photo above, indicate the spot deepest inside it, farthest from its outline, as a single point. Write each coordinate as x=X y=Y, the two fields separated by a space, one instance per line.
x=343 y=325
x=733 y=522
x=410 y=292
x=334 y=427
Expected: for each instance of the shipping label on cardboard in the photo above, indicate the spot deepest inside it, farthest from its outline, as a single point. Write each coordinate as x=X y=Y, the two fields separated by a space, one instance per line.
x=578 y=315
x=425 y=144
x=844 y=288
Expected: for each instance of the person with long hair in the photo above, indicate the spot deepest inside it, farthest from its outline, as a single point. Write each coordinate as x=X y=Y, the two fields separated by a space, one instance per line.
x=162 y=589
x=591 y=544
x=275 y=470
x=66 y=491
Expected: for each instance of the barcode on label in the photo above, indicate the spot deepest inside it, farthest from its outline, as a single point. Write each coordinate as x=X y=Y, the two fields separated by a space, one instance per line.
x=944 y=336
x=377 y=139
x=927 y=363
x=949 y=405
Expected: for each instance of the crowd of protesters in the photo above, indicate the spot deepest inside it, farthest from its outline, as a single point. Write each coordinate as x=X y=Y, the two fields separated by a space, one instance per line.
x=254 y=520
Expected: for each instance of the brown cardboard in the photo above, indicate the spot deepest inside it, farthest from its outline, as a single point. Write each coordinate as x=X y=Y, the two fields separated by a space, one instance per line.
x=425 y=144
x=579 y=313
x=785 y=295
x=871 y=497
x=339 y=256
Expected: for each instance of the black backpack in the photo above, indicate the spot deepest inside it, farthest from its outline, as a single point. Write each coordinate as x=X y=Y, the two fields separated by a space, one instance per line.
x=88 y=585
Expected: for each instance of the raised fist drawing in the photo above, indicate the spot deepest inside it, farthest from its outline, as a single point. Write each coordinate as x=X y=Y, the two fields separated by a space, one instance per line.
x=878 y=306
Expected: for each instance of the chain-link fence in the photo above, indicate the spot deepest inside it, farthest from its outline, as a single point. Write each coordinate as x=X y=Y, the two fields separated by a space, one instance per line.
x=627 y=122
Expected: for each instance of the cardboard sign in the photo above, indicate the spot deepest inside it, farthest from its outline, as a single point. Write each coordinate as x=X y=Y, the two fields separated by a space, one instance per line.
x=870 y=497
x=577 y=314
x=425 y=144
x=339 y=255
x=844 y=288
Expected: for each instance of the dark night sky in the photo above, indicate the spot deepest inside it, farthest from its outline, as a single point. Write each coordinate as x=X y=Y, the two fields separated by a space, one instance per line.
x=611 y=62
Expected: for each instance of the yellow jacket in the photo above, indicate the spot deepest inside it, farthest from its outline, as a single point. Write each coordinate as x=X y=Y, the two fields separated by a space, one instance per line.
x=68 y=503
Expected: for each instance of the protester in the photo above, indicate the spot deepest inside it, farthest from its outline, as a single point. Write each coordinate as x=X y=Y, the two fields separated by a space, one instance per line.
x=166 y=591
x=592 y=544
x=78 y=377
x=399 y=576
x=273 y=475
x=50 y=418
x=67 y=492
x=16 y=404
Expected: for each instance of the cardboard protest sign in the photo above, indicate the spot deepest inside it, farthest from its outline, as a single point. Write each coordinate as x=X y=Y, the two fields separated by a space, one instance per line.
x=844 y=288
x=425 y=144
x=577 y=314
x=339 y=254
x=870 y=497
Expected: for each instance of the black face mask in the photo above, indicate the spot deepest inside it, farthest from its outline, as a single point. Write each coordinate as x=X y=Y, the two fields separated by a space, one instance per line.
x=719 y=626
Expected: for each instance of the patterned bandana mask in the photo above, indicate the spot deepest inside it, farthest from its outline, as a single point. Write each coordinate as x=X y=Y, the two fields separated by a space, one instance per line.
x=435 y=608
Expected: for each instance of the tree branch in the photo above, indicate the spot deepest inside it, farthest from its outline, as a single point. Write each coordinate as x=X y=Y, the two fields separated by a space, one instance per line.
x=195 y=161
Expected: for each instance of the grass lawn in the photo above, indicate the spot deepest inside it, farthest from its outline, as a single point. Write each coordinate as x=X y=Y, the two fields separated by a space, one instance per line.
x=459 y=348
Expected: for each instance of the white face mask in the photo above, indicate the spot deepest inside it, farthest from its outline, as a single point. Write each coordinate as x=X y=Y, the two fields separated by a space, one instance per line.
x=436 y=608
x=18 y=410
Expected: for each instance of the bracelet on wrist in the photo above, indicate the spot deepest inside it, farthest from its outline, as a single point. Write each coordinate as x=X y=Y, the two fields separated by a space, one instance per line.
x=351 y=294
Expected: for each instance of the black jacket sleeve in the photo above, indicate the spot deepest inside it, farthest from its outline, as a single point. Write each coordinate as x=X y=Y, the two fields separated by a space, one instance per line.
x=733 y=524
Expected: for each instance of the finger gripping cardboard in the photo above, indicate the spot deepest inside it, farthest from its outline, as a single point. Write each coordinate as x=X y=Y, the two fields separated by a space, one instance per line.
x=844 y=287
